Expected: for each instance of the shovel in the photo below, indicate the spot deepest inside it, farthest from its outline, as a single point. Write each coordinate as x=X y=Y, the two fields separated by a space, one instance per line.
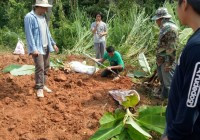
x=100 y=64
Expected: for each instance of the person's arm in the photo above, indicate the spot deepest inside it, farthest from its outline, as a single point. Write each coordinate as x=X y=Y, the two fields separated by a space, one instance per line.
x=103 y=33
x=169 y=43
x=115 y=67
x=29 y=35
x=100 y=60
x=188 y=109
x=53 y=43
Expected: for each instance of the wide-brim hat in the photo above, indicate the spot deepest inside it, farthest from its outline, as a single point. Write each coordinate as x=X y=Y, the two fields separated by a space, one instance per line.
x=161 y=13
x=42 y=3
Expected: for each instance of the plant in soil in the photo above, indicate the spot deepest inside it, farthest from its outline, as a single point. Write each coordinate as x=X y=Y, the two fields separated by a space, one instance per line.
x=123 y=124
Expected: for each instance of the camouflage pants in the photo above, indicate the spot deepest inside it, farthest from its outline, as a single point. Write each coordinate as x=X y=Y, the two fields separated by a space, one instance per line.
x=165 y=79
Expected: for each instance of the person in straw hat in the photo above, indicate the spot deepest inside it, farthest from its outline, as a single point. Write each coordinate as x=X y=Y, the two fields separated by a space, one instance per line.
x=40 y=43
x=166 y=49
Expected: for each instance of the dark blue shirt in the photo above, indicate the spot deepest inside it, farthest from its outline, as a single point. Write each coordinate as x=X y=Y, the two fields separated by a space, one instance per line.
x=183 y=119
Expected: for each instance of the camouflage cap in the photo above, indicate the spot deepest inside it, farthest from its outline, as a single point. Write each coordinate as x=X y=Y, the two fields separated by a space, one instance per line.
x=161 y=13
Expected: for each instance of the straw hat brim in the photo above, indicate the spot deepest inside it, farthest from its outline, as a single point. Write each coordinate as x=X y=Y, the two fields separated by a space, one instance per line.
x=43 y=5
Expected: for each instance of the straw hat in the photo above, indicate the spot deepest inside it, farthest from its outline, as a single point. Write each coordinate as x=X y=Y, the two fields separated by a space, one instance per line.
x=42 y=3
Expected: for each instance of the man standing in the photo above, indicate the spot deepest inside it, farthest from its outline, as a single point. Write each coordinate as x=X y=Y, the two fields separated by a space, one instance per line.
x=166 y=49
x=40 y=43
x=99 y=31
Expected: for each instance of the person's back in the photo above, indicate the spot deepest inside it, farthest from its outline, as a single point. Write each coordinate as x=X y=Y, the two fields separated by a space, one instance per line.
x=183 y=110
x=184 y=93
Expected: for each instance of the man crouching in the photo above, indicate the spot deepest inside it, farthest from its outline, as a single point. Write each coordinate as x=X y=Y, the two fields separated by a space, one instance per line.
x=115 y=59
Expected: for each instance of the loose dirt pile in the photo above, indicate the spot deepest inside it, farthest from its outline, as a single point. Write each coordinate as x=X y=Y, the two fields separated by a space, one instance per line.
x=71 y=112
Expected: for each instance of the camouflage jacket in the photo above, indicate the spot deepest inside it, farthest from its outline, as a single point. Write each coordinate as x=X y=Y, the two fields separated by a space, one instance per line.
x=167 y=44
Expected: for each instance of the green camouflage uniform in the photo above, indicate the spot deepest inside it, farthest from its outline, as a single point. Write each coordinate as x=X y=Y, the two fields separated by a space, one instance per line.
x=167 y=44
x=166 y=50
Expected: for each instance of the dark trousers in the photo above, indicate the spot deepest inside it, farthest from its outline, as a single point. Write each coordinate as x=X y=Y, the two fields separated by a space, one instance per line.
x=165 y=79
x=42 y=64
x=107 y=73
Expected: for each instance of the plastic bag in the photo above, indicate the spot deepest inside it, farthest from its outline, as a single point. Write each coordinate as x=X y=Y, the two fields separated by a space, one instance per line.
x=19 y=48
x=82 y=68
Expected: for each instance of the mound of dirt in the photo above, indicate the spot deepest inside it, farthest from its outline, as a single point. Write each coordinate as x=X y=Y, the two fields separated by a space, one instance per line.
x=71 y=112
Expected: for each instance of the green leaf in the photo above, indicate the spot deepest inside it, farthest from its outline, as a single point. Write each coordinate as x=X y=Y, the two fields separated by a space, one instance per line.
x=116 y=138
x=153 y=122
x=59 y=61
x=10 y=67
x=52 y=64
x=135 y=131
x=56 y=63
x=131 y=101
x=143 y=63
x=107 y=133
x=119 y=114
x=152 y=110
x=23 y=70
x=139 y=74
x=185 y=34
x=107 y=118
x=124 y=135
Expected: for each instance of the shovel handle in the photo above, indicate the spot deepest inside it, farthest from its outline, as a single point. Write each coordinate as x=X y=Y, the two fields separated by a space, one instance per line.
x=99 y=63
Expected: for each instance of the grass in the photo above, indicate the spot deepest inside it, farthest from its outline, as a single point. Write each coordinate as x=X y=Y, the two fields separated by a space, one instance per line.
x=130 y=31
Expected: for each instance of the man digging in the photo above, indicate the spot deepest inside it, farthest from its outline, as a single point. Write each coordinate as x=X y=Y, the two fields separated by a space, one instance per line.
x=40 y=43
x=116 y=62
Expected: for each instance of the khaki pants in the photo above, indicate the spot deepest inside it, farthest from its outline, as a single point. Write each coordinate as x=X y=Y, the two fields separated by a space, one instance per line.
x=42 y=64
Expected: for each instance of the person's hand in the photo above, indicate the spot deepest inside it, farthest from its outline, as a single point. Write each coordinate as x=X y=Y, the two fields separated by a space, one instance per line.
x=56 y=48
x=97 y=23
x=165 y=138
x=97 y=60
x=35 y=53
x=101 y=34
x=167 y=69
x=109 y=68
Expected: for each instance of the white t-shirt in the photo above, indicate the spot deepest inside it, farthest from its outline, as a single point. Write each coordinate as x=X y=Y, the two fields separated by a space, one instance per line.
x=43 y=29
x=100 y=29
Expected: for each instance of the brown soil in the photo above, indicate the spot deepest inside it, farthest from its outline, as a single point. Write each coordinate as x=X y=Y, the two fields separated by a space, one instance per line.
x=71 y=112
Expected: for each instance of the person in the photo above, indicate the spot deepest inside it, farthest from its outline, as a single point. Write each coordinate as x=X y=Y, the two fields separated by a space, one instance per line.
x=40 y=43
x=99 y=30
x=115 y=59
x=166 y=49
x=183 y=109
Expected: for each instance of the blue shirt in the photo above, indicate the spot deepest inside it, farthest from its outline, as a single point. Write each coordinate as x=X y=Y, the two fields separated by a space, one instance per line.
x=33 y=34
x=183 y=119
